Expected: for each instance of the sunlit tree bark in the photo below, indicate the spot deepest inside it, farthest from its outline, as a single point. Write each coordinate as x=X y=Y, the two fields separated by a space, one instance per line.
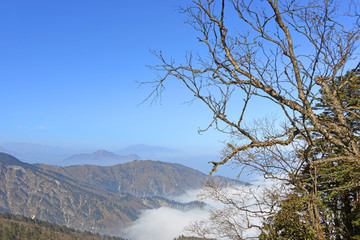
x=289 y=53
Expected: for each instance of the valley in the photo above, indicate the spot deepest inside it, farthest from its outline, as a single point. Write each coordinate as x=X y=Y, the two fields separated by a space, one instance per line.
x=98 y=199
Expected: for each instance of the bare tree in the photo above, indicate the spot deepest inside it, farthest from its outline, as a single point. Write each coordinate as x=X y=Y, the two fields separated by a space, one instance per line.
x=290 y=53
x=243 y=210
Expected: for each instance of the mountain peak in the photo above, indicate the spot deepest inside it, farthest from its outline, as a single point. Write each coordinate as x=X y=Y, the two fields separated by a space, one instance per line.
x=103 y=152
x=100 y=158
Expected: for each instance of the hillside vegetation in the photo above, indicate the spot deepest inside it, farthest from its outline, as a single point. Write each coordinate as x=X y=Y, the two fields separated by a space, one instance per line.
x=93 y=198
x=13 y=227
x=139 y=178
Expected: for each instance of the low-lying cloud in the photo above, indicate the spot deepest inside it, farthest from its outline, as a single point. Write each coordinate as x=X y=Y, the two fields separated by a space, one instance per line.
x=163 y=223
x=167 y=223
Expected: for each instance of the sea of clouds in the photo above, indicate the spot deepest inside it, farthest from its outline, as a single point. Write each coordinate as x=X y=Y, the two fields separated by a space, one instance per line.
x=163 y=223
x=167 y=223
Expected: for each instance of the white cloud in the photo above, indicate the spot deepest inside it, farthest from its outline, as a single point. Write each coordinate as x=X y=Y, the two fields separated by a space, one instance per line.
x=166 y=223
x=189 y=196
x=163 y=223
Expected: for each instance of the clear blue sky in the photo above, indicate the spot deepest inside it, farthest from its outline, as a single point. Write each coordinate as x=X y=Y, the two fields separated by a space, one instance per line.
x=68 y=72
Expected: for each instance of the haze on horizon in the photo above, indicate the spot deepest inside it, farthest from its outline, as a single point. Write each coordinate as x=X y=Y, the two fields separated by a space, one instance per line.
x=70 y=73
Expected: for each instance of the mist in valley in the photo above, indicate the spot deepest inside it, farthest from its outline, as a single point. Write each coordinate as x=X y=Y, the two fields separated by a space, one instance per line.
x=166 y=223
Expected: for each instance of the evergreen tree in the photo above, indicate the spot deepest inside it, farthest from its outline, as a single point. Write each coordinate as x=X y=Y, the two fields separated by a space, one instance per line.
x=335 y=184
x=338 y=182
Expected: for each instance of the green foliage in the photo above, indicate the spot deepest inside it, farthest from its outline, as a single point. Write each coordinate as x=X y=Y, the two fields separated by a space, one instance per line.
x=331 y=184
x=337 y=182
x=290 y=222
x=338 y=188
x=13 y=227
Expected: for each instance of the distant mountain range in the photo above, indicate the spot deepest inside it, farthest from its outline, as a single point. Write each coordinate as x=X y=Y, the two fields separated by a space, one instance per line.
x=139 y=178
x=94 y=198
x=35 y=153
x=148 y=151
x=100 y=158
x=38 y=153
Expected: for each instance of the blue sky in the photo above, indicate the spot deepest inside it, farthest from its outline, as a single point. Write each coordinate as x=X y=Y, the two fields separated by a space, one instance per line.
x=69 y=72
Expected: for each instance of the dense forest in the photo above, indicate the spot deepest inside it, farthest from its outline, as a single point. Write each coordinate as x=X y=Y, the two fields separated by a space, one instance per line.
x=14 y=227
x=182 y=237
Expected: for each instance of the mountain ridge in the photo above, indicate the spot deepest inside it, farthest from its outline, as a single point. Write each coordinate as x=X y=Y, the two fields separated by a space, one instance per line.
x=93 y=198
x=139 y=177
x=100 y=157
x=32 y=191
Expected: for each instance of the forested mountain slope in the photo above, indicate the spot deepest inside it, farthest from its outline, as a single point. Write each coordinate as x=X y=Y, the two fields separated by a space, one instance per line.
x=35 y=191
x=14 y=227
x=140 y=178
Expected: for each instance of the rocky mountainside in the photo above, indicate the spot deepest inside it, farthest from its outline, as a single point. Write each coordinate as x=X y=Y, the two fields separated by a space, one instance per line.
x=100 y=157
x=139 y=178
x=37 y=191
